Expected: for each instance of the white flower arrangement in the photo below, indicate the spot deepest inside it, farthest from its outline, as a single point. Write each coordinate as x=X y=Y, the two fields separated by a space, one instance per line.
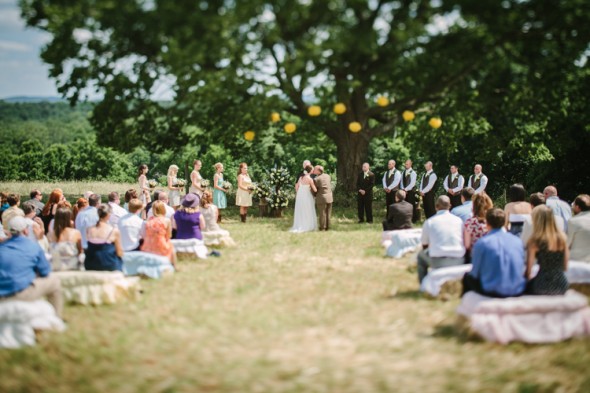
x=180 y=183
x=153 y=183
x=226 y=185
x=205 y=183
x=278 y=200
x=278 y=177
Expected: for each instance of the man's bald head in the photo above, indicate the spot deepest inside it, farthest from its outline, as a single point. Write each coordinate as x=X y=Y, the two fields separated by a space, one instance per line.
x=550 y=191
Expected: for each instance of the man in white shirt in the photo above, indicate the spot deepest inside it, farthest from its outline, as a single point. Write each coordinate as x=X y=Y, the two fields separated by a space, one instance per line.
x=560 y=208
x=442 y=240
x=453 y=185
x=163 y=196
x=131 y=226
x=391 y=183
x=428 y=190
x=116 y=210
x=578 y=231
x=88 y=218
x=408 y=184
x=478 y=181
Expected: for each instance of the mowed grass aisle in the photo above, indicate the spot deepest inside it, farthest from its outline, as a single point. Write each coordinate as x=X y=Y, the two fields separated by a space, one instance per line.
x=318 y=312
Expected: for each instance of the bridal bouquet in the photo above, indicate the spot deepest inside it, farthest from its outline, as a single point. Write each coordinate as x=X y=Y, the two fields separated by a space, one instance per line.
x=263 y=191
x=278 y=200
x=180 y=183
x=152 y=183
x=205 y=183
x=279 y=177
x=226 y=185
x=252 y=187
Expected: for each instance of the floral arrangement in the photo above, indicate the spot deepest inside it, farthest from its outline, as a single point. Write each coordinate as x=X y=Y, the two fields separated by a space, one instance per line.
x=263 y=190
x=153 y=183
x=278 y=177
x=179 y=183
x=226 y=185
x=205 y=183
x=278 y=200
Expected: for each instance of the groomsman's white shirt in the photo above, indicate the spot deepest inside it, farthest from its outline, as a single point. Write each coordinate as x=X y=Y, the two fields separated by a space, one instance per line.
x=396 y=179
x=459 y=186
x=412 y=181
x=116 y=213
x=431 y=181
x=483 y=182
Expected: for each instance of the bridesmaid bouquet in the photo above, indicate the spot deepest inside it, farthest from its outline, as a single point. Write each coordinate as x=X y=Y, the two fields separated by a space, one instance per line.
x=226 y=185
x=152 y=183
x=180 y=183
x=252 y=187
x=205 y=183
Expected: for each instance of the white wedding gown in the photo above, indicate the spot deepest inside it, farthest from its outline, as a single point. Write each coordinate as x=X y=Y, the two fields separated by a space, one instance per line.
x=304 y=219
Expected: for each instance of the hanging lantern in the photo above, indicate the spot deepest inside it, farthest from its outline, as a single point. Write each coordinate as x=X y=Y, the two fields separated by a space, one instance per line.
x=290 y=128
x=435 y=122
x=275 y=117
x=339 y=108
x=314 y=111
x=249 y=135
x=382 y=101
x=408 y=115
x=355 y=126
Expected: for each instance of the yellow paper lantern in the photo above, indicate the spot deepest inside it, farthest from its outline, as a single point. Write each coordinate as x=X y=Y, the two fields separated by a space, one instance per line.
x=355 y=126
x=275 y=117
x=290 y=128
x=249 y=135
x=435 y=122
x=408 y=115
x=314 y=110
x=382 y=101
x=339 y=108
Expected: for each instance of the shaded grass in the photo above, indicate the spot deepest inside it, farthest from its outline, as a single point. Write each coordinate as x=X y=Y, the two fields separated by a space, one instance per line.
x=286 y=312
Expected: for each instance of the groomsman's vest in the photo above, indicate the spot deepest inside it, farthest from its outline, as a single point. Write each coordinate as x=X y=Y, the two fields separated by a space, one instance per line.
x=425 y=180
x=389 y=179
x=406 y=179
x=475 y=184
x=454 y=183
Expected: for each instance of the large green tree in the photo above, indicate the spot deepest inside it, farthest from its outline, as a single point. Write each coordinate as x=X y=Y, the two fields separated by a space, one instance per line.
x=229 y=63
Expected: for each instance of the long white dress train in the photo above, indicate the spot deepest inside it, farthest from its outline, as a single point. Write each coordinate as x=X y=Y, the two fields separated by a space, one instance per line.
x=304 y=218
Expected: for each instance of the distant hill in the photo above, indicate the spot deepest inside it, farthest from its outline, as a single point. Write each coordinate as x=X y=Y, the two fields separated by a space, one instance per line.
x=20 y=99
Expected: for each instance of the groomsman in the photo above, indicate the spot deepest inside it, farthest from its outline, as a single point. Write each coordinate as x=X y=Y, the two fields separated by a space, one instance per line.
x=428 y=190
x=478 y=181
x=408 y=184
x=391 y=183
x=453 y=185
x=364 y=184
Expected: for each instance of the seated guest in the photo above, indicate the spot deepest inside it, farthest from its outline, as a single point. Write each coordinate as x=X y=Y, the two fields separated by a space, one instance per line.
x=66 y=242
x=117 y=210
x=3 y=202
x=88 y=218
x=81 y=204
x=399 y=214
x=36 y=197
x=465 y=210
x=28 y=279
x=213 y=235
x=498 y=261
x=476 y=226
x=517 y=210
x=188 y=220
x=535 y=200
x=129 y=195
x=560 y=208
x=156 y=197
x=442 y=239
x=131 y=226
x=548 y=246
x=34 y=223
x=163 y=197
x=578 y=231
x=50 y=207
x=12 y=211
x=104 y=250
x=157 y=233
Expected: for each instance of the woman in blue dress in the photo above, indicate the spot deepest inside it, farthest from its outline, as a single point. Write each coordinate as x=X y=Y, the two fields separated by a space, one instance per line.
x=219 y=197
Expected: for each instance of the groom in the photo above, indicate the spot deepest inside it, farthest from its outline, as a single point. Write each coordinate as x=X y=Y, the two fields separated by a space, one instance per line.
x=323 y=198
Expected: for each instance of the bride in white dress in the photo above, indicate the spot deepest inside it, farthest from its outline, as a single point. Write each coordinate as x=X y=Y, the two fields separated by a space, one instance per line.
x=304 y=219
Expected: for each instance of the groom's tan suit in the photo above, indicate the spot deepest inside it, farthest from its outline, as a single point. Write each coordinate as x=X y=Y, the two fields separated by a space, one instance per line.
x=324 y=199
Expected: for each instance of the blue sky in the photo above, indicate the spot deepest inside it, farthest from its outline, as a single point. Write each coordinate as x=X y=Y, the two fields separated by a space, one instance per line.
x=21 y=70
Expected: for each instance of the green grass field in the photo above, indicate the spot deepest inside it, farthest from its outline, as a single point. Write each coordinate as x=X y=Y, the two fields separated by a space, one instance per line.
x=282 y=312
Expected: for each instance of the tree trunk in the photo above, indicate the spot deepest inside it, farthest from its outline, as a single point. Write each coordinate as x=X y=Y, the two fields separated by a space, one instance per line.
x=351 y=151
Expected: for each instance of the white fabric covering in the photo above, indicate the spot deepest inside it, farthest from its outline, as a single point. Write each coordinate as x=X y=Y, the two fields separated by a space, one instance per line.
x=530 y=319
x=434 y=280
x=191 y=246
x=96 y=287
x=578 y=272
x=400 y=242
x=20 y=319
x=146 y=264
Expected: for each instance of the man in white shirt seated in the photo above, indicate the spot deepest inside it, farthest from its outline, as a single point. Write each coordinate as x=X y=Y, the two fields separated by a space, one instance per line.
x=442 y=239
x=116 y=210
x=131 y=226
x=560 y=208
x=163 y=196
x=578 y=231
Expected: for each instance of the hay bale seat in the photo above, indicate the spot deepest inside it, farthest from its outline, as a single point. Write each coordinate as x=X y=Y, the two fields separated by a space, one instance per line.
x=20 y=319
x=96 y=287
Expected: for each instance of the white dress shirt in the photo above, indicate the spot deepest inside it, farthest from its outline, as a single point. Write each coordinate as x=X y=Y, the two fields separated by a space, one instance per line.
x=431 y=181
x=169 y=212
x=396 y=178
x=443 y=233
x=483 y=182
x=130 y=226
x=116 y=213
x=448 y=181
x=87 y=218
x=560 y=209
x=412 y=183
x=578 y=237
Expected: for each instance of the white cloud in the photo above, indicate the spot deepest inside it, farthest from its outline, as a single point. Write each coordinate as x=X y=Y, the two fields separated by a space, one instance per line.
x=13 y=46
x=10 y=19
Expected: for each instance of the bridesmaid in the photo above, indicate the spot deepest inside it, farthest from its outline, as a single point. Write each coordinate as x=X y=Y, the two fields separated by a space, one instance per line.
x=174 y=194
x=219 y=198
x=196 y=178
x=144 y=188
x=244 y=193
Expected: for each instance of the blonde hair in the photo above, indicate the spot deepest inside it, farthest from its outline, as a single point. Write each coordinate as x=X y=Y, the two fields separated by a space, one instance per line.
x=545 y=232
x=135 y=205
x=218 y=165
x=172 y=168
x=159 y=208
